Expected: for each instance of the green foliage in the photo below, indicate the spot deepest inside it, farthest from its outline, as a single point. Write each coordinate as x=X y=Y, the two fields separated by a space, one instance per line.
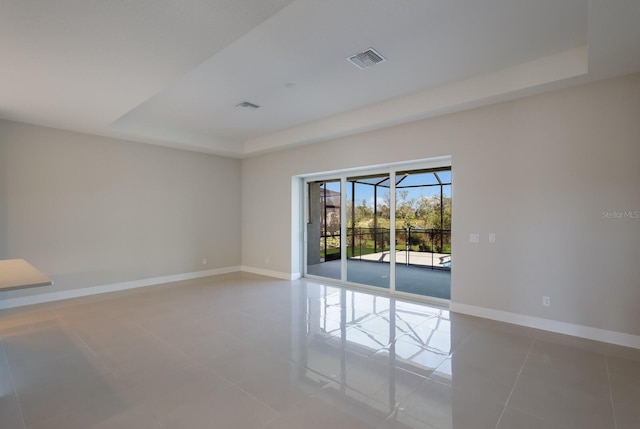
x=429 y=212
x=418 y=220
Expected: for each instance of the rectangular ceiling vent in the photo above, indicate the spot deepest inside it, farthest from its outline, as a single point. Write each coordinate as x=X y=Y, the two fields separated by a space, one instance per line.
x=366 y=59
x=247 y=105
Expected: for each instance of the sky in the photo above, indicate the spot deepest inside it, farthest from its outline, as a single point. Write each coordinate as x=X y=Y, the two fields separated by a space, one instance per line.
x=365 y=192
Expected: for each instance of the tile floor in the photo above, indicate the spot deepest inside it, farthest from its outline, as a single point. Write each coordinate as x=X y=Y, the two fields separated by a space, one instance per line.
x=243 y=351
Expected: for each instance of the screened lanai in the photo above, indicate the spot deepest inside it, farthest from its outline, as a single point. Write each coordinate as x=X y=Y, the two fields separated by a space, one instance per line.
x=421 y=215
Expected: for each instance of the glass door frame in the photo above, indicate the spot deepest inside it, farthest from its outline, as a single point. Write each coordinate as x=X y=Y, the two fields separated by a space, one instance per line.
x=390 y=174
x=342 y=175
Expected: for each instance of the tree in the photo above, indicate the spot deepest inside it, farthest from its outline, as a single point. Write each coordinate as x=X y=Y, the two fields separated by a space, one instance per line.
x=404 y=206
x=429 y=211
x=363 y=212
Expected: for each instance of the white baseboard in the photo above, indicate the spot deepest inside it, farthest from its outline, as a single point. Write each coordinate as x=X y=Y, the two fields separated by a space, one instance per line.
x=596 y=334
x=588 y=332
x=270 y=273
x=94 y=290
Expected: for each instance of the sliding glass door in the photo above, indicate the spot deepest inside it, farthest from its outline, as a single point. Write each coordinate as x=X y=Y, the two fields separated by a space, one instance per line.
x=423 y=232
x=389 y=230
x=368 y=227
x=324 y=214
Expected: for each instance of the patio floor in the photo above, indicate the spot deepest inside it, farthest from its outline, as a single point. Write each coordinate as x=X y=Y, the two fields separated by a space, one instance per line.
x=415 y=258
x=417 y=279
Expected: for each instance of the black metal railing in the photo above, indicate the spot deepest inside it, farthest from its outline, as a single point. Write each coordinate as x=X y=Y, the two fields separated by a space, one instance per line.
x=414 y=246
x=429 y=247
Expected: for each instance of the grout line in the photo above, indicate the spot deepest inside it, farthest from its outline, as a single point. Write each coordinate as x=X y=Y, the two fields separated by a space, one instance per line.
x=264 y=403
x=613 y=407
x=515 y=383
x=162 y=340
x=76 y=336
x=15 y=392
x=70 y=331
x=268 y=422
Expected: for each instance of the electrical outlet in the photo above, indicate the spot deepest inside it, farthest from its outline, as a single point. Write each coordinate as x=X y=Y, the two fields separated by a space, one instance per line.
x=474 y=238
x=492 y=237
x=204 y=261
x=546 y=301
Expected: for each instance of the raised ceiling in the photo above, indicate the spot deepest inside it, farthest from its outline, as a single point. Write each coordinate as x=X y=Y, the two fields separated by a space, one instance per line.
x=172 y=73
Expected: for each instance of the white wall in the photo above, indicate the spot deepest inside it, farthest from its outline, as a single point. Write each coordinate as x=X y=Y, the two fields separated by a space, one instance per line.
x=91 y=211
x=539 y=172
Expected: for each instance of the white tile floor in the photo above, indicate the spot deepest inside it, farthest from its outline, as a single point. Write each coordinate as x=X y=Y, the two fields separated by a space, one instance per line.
x=243 y=351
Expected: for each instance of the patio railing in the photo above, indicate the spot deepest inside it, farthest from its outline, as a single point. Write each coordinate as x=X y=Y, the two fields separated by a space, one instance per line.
x=415 y=246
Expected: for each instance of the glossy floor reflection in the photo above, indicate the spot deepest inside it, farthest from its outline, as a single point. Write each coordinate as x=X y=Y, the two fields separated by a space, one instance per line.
x=243 y=351
x=415 y=279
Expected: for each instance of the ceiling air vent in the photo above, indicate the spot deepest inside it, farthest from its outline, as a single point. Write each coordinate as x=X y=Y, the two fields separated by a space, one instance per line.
x=366 y=59
x=247 y=105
